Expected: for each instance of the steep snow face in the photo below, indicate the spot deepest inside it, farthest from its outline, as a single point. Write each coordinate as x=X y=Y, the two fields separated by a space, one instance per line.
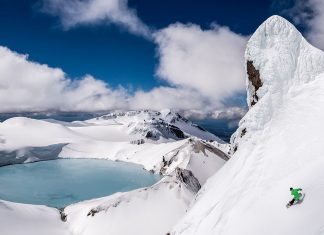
x=201 y=158
x=278 y=145
x=283 y=58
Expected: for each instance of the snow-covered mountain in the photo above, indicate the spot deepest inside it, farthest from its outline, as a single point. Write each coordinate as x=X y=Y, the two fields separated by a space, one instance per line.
x=136 y=127
x=156 y=125
x=279 y=144
x=103 y=137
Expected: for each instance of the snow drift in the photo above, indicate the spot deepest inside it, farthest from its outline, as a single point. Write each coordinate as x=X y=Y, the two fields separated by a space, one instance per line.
x=279 y=144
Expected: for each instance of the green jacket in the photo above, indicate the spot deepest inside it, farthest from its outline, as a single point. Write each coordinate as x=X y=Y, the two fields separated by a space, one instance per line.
x=296 y=194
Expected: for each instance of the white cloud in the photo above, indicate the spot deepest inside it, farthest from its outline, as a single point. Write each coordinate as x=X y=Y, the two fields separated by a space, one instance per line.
x=229 y=113
x=75 y=12
x=26 y=85
x=315 y=24
x=167 y=97
x=205 y=68
x=30 y=86
x=310 y=14
x=202 y=67
x=210 y=62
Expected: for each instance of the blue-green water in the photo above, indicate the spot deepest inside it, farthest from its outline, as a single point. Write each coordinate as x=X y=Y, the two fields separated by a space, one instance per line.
x=58 y=183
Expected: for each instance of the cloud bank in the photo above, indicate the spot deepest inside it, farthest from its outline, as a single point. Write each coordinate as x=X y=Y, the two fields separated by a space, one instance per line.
x=202 y=67
x=228 y=113
x=315 y=23
x=74 y=13
x=29 y=86
x=210 y=62
x=309 y=14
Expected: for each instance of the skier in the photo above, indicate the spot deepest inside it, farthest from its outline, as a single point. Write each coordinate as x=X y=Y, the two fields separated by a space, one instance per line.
x=297 y=196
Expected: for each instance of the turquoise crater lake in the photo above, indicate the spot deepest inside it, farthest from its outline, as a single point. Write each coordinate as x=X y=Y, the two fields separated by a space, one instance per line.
x=61 y=182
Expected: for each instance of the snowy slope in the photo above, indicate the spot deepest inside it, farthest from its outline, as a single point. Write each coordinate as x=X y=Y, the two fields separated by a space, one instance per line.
x=278 y=145
x=18 y=219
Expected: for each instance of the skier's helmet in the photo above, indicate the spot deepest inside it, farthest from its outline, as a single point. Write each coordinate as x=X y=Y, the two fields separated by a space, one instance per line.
x=291 y=189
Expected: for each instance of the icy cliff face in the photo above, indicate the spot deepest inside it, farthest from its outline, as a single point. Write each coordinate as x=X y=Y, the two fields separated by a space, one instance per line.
x=278 y=59
x=283 y=58
x=278 y=145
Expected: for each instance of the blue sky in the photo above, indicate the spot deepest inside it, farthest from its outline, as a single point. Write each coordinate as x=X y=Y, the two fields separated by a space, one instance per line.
x=123 y=53
x=105 y=51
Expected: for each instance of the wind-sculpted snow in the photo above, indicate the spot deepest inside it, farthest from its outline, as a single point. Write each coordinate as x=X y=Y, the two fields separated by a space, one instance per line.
x=279 y=144
x=283 y=59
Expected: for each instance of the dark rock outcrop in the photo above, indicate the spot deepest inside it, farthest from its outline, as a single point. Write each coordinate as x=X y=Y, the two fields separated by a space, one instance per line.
x=243 y=132
x=62 y=214
x=254 y=78
x=176 y=131
x=92 y=212
x=186 y=177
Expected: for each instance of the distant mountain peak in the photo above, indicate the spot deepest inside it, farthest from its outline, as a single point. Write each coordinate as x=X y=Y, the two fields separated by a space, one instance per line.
x=155 y=125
